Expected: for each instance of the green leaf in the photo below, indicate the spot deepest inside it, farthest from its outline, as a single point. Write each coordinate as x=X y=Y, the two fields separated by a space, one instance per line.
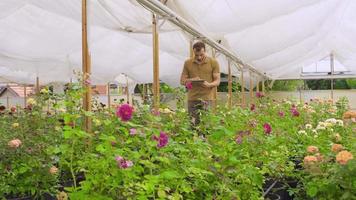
x=312 y=191
x=170 y=174
x=100 y=148
x=162 y=193
x=67 y=134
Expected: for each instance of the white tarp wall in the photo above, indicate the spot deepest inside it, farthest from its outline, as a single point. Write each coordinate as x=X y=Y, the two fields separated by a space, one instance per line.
x=43 y=38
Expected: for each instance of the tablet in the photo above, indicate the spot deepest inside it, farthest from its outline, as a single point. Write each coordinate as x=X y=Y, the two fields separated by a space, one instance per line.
x=198 y=81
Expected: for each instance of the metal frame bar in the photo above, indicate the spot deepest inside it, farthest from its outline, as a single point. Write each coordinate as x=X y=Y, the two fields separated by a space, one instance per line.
x=160 y=9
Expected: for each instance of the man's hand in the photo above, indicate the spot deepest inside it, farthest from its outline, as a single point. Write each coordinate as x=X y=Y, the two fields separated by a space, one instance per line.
x=206 y=84
x=194 y=79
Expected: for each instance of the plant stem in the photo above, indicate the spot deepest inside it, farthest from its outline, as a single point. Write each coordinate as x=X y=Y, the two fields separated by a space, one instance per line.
x=71 y=165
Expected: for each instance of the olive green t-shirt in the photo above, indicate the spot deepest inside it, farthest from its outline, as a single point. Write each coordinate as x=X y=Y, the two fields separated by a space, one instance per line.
x=205 y=71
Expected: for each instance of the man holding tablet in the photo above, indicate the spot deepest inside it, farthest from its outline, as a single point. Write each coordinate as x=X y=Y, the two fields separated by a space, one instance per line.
x=201 y=74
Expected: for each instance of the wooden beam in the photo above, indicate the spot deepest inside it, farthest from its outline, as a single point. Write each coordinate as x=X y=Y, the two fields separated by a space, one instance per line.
x=229 y=84
x=86 y=67
x=156 y=86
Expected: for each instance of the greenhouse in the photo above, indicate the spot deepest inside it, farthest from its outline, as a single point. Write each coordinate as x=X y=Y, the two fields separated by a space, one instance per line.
x=177 y=99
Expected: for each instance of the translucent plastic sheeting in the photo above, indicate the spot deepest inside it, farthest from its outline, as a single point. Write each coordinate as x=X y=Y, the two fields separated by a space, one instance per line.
x=48 y=45
x=278 y=37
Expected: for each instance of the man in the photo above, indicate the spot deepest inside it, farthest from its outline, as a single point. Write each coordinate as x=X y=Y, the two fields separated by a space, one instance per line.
x=201 y=75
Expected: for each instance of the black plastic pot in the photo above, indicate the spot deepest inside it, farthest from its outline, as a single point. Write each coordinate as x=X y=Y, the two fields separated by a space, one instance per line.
x=272 y=196
x=19 y=198
x=279 y=188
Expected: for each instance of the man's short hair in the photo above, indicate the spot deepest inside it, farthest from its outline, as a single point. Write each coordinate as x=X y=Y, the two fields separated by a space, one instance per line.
x=198 y=46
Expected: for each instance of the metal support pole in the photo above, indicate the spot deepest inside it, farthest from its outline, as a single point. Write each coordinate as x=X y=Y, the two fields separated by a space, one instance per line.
x=243 y=98
x=156 y=87
x=229 y=84
x=86 y=67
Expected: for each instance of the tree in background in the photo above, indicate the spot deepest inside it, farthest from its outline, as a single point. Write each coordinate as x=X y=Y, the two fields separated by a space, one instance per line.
x=287 y=85
x=351 y=83
x=325 y=84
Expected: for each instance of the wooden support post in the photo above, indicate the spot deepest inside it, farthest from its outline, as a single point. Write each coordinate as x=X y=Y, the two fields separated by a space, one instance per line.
x=243 y=98
x=127 y=90
x=109 y=97
x=263 y=86
x=7 y=101
x=215 y=89
x=37 y=85
x=229 y=84
x=332 y=74
x=25 y=96
x=156 y=86
x=251 y=87
x=258 y=84
x=191 y=52
x=86 y=67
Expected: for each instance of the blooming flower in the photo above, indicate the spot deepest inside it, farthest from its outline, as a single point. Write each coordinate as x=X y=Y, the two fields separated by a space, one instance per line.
x=62 y=196
x=308 y=126
x=337 y=137
x=124 y=112
x=133 y=131
x=312 y=149
x=302 y=132
x=31 y=101
x=15 y=143
x=53 y=170
x=189 y=85
x=295 y=112
x=343 y=157
x=253 y=107
x=281 y=113
x=310 y=160
x=319 y=157
x=339 y=122
x=13 y=109
x=162 y=140
x=259 y=94
x=267 y=128
x=44 y=91
x=123 y=163
x=336 y=148
x=238 y=139
x=15 y=125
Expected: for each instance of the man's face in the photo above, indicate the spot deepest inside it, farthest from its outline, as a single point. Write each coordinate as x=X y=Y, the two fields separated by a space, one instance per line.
x=199 y=55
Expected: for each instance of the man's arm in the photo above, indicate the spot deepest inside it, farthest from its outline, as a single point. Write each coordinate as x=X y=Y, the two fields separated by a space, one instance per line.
x=216 y=76
x=184 y=78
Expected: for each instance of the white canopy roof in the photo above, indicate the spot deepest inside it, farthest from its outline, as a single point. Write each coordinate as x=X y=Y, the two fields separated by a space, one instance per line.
x=279 y=37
